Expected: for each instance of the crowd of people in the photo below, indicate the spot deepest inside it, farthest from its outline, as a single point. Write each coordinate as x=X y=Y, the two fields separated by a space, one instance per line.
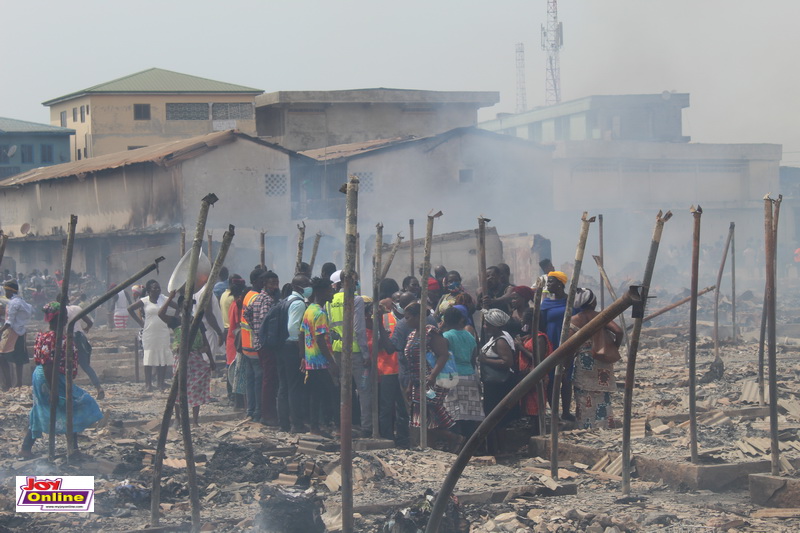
x=282 y=346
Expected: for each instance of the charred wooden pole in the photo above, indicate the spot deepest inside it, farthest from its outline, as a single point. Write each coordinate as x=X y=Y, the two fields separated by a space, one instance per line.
x=263 y=249
x=301 y=238
x=602 y=259
x=57 y=352
x=634 y=349
x=3 y=242
x=559 y=356
x=573 y=287
x=411 y=248
x=314 y=251
x=210 y=245
x=183 y=243
x=770 y=234
x=611 y=292
x=734 y=333
x=358 y=253
x=716 y=293
x=346 y=370
x=85 y=312
x=537 y=355
x=672 y=306
x=421 y=334
x=392 y=253
x=481 y=255
x=376 y=325
x=696 y=213
x=764 y=309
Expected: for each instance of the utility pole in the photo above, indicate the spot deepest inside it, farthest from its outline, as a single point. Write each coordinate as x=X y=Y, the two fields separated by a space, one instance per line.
x=552 y=41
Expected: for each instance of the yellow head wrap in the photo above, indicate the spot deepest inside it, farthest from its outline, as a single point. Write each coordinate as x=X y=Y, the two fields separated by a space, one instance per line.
x=560 y=276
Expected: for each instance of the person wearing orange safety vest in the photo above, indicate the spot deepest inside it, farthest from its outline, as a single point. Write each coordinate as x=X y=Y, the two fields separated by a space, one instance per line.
x=252 y=364
x=392 y=410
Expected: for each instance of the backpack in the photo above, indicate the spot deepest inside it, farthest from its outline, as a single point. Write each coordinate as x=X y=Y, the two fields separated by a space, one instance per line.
x=274 y=329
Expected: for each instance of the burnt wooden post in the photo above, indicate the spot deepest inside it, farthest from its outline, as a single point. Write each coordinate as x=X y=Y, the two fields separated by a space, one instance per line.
x=58 y=351
x=696 y=213
x=301 y=237
x=537 y=355
x=672 y=306
x=573 y=287
x=314 y=250
x=716 y=293
x=602 y=259
x=423 y=338
x=376 y=324
x=183 y=243
x=346 y=371
x=392 y=253
x=3 y=242
x=411 y=248
x=770 y=240
x=633 y=350
x=611 y=292
x=210 y=245
x=263 y=249
x=734 y=333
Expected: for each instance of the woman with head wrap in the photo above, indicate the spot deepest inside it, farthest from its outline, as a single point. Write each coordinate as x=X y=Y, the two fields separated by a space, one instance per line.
x=594 y=379
x=85 y=410
x=497 y=367
x=551 y=322
x=453 y=290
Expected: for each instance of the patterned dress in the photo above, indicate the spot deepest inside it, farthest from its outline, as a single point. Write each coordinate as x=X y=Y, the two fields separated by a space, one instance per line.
x=438 y=416
x=198 y=375
x=594 y=382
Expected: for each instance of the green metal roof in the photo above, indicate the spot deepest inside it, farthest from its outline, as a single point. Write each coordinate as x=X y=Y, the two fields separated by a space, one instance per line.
x=156 y=80
x=11 y=125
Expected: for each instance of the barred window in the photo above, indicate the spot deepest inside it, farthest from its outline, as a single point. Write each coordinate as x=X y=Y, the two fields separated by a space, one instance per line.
x=187 y=111
x=366 y=181
x=276 y=184
x=234 y=111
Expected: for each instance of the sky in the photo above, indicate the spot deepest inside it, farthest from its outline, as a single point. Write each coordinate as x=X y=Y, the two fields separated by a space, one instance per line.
x=733 y=56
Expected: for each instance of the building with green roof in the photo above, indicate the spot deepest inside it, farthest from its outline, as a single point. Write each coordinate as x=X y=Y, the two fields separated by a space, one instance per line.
x=151 y=107
x=27 y=145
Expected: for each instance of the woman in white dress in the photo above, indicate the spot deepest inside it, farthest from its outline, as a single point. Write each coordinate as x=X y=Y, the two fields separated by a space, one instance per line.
x=155 y=333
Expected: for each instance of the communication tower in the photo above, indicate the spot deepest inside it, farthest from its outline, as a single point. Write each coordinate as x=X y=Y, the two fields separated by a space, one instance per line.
x=552 y=41
x=522 y=92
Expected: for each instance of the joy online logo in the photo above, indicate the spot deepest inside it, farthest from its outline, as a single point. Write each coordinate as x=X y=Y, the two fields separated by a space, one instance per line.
x=62 y=494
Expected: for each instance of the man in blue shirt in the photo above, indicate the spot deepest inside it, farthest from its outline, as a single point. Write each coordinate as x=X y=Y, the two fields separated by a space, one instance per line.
x=292 y=402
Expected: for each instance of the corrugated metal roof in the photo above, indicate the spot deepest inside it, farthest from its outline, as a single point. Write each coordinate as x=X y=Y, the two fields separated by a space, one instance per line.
x=341 y=151
x=12 y=125
x=165 y=154
x=156 y=80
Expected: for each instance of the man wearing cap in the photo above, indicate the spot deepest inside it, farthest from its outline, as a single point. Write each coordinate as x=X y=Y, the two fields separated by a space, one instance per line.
x=12 y=334
x=361 y=356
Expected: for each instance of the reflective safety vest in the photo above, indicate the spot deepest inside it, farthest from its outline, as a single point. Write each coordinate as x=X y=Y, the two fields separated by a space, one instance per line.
x=246 y=329
x=387 y=363
x=335 y=309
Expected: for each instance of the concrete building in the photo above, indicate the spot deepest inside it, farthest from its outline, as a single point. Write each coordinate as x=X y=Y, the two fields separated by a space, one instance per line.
x=305 y=120
x=151 y=107
x=28 y=145
x=637 y=117
x=132 y=205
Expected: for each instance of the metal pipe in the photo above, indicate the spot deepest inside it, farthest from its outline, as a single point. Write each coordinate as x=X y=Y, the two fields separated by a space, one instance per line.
x=696 y=213
x=57 y=351
x=314 y=251
x=573 y=287
x=716 y=293
x=421 y=333
x=770 y=238
x=672 y=306
x=346 y=370
x=633 y=349
x=560 y=355
x=392 y=253
x=411 y=248
x=376 y=325
x=602 y=260
x=301 y=237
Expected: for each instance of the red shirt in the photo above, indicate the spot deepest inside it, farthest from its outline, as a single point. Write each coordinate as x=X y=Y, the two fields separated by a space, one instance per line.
x=44 y=350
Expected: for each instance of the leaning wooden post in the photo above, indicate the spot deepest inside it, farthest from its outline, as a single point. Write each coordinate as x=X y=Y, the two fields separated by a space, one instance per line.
x=672 y=306
x=411 y=248
x=376 y=325
x=633 y=350
x=734 y=333
x=611 y=292
x=183 y=241
x=301 y=237
x=314 y=250
x=263 y=249
x=716 y=293
x=560 y=355
x=696 y=213
x=770 y=234
x=392 y=253
x=537 y=355
x=57 y=352
x=481 y=256
x=573 y=287
x=422 y=334
x=210 y=245
x=602 y=259
x=346 y=370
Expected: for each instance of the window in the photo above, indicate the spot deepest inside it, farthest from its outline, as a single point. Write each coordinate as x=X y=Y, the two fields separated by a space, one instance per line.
x=465 y=175
x=78 y=154
x=63 y=119
x=275 y=184
x=134 y=147
x=235 y=111
x=83 y=114
x=141 y=111
x=74 y=114
x=4 y=148
x=187 y=111
x=85 y=152
x=46 y=153
x=87 y=110
x=27 y=153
